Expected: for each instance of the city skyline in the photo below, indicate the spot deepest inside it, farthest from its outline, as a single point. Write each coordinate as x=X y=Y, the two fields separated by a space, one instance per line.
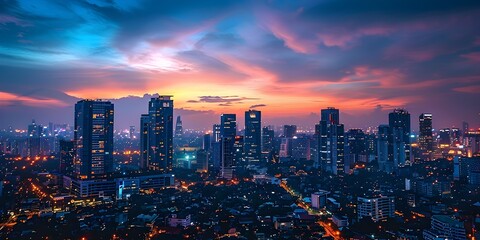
x=288 y=60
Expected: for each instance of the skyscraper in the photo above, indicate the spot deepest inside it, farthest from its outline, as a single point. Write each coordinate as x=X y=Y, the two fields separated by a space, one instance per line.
x=330 y=115
x=228 y=131
x=67 y=154
x=330 y=140
x=382 y=148
x=144 y=141
x=160 y=133
x=425 y=139
x=178 y=128
x=216 y=144
x=355 y=147
x=444 y=138
x=93 y=138
x=253 y=136
x=289 y=131
x=399 y=143
x=132 y=132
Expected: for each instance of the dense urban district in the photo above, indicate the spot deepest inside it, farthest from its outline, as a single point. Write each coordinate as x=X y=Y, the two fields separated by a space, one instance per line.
x=161 y=181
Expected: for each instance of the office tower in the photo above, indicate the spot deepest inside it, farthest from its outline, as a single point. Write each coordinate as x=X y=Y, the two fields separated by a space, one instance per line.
x=467 y=169
x=93 y=138
x=132 y=132
x=34 y=130
x=144 y=141
x=67 y=154
x=179 y=128
x=371 y=145
x=33 y=141
x=444 y=138
x=382 y=148
x=253 y=136
x=285 y=148
x=330 y=115
x=216 y=132
x=160 y=133
x=267 y=139
x=289 y=131
x=216 y=155
x=202 y=160
x=330 y=142
x=399 y=144
x=425 y=139
x=301 y=147
x=228 y=131
x=206 y=143
x=455 y=137
x=238 y=147
x=355 y=145
x=376 y=208
x=445 y=227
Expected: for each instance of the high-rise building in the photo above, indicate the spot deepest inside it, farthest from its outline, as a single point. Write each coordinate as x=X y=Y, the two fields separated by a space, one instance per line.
x=268 y=135
x=355 y=147
x=238 y=149
x=179 y=128
x=382 y=149
x=445 y=227
x=330 y=115
x=444 y=138
x=33 y=140
x=132 y=132
x=228 y=131
x=67 y=154
x=216 y=132
x=376 y=208
x=93 y=138
x=455 y=137
x=202 y=160
x=425 y=139
x=144 y=141
x=330 y=139
x=160 y=133
x=399 y=147
x=206 y=143
x=289 y=131
x=253 y=136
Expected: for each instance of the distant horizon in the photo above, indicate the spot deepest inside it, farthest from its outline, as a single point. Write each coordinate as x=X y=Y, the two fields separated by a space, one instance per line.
x=305 y=121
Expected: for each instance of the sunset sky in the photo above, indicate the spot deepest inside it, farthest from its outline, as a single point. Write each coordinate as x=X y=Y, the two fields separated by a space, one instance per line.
x=288 y=59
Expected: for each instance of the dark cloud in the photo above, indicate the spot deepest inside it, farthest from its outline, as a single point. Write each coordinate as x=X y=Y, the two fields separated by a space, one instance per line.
x=258 y=105
x=221 y=99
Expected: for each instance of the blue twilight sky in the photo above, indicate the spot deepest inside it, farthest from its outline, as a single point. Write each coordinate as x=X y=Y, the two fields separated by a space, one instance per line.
x=287 y=58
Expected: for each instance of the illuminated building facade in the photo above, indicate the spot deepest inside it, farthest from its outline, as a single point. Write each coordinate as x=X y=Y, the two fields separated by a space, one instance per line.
x=376 y=208
x=160 y=133
x=330 y=140
x=144 y=141
x=382 y=149
x=93 y=138
x=399 y=147
x=228 y=131
x=425 y=139
x=67 y=155
x=253 y=136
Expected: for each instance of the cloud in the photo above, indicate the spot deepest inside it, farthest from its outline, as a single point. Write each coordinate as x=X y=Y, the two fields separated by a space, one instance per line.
x=258 y=105
x=224 y=100
x=297 y=56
